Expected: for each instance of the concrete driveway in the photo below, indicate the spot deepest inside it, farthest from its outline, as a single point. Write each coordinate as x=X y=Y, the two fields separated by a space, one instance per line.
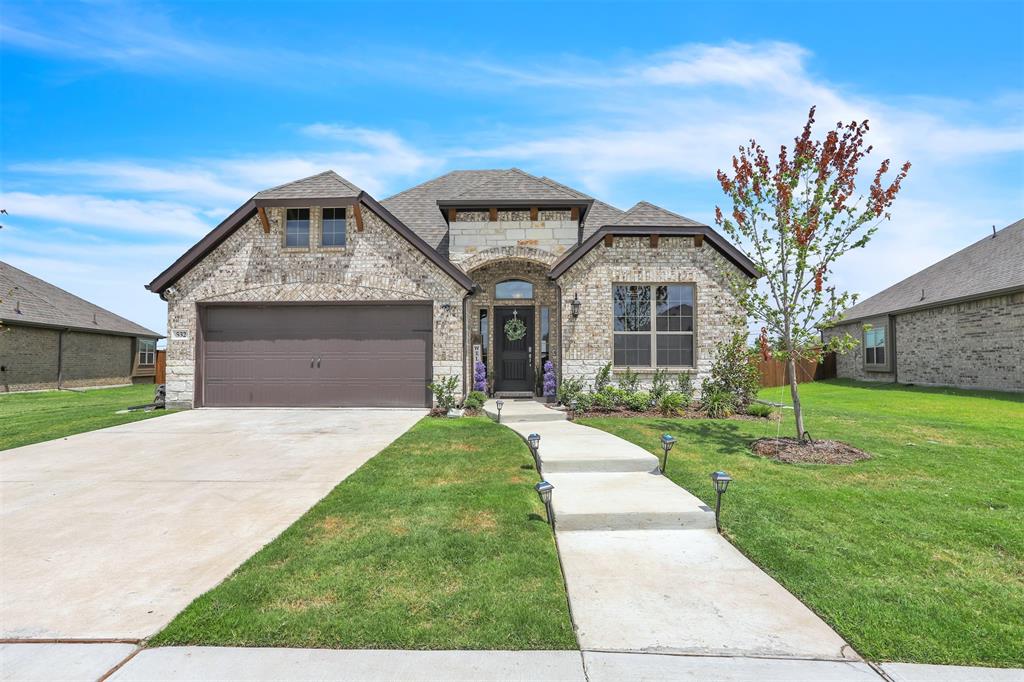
x=109 y=534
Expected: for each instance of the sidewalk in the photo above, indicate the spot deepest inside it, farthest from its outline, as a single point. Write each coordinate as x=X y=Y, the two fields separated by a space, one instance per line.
x=31 y=662
x=644 y=567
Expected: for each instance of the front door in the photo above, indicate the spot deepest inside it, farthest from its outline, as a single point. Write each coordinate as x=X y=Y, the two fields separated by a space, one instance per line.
x=514 y=357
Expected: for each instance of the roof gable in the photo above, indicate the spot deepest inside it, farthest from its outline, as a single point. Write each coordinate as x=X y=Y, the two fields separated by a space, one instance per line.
x=320 y=186
x=29 y=300
x=988 y=266
x=648 y=215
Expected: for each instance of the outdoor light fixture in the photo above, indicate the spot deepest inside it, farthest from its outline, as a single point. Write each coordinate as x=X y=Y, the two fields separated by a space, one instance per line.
x=544 y=491
x=575 y=305
x=721 y=481
x=500 y=404
x=534 y=439
x=667 y=441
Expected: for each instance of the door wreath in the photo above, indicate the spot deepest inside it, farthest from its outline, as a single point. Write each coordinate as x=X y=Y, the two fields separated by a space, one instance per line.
x=515 y=329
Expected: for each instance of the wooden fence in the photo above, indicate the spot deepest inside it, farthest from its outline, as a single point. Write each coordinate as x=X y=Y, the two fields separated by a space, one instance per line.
x=161 y=367
x=774 y=372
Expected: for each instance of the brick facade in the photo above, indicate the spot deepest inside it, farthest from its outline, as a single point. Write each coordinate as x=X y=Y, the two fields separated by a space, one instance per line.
x=28 y=358
x=587 y=339
x=976 y=344
x=376 y=264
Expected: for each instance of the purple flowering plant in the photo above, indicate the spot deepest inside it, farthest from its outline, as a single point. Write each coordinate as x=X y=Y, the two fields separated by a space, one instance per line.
x=480 y=377
x=550 y=382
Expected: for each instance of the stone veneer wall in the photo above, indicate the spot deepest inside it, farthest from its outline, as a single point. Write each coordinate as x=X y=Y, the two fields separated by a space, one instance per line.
x=376 y=264
x=587 y=340
x=545 y=293
x=28 y=356
x=977 y=344
x=554 y=231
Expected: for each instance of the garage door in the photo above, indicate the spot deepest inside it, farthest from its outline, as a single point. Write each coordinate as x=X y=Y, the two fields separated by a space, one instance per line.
x=316 y=355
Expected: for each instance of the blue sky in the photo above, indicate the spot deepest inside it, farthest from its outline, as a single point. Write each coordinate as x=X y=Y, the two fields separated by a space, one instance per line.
x=128 y=130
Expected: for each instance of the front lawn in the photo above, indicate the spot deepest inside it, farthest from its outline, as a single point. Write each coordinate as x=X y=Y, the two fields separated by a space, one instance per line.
x=27 y=418
x=914 y=555
x=438 y=542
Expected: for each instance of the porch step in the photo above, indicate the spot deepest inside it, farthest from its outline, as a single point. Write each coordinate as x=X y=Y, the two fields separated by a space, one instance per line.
x=514 y=394
x=625 y=501
x=523 y=411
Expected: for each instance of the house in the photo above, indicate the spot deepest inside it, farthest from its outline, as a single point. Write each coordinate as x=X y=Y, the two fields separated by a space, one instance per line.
x=50 y=338
x=315 y=293
x=959 y=322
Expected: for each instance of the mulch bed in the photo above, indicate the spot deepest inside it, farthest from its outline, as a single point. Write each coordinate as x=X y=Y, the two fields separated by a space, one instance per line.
x=688 y=413
x=792 y=451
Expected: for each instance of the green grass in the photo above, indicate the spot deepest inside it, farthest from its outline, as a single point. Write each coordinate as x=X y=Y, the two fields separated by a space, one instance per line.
x=914 y=555
x=438 y=542
x=27 y=418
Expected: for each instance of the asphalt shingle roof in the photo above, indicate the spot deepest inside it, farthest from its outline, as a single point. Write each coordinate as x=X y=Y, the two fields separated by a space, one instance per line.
x=647 y=214
x=989 y=265
x=515 y=185
x=319 y=186
x=30 y=300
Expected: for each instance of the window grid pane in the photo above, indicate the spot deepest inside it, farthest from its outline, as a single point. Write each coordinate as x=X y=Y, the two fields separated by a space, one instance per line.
x=296 y=230
x=632 y=308
x=632 y=350
x=675 y=350
x=333 y=229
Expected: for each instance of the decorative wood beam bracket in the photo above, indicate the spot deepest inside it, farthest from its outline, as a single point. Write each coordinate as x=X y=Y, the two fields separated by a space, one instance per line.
x=574 y=213
x=494 y=214
x=358 y=210
x=534 y=213
x=263 y=219
x=451 y=214
x=609 y=240
x=654 y=241
x=698 y=240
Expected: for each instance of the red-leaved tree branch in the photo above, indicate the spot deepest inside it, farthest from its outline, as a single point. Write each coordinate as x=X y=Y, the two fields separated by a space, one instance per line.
x=795 y=217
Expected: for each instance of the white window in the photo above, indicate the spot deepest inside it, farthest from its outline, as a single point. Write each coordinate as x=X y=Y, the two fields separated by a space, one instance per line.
x=513 y=288
x=874 y=347
x=296 y=228
x=332 y=229
x=652 y=325
x=147 y=352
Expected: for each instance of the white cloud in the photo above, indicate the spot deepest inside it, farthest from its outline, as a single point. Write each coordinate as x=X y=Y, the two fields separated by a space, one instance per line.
x=124 y=215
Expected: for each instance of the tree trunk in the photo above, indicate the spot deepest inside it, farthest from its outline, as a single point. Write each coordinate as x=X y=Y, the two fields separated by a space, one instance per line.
x=794 y=391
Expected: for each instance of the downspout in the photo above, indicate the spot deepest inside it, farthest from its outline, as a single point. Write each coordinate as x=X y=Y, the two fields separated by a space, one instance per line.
x=558 y=310
x=60 y=359
x=465 y=340
x=895 y=366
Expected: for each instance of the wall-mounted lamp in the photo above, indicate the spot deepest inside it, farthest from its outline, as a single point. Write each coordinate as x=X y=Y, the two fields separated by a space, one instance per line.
x=575 y=305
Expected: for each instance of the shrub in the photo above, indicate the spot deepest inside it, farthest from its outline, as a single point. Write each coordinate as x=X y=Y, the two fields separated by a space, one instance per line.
x=684 y=383
x=569 y=391
x=716 y=402
x=603 y=377
x=639 y=401
x=733 y=371
x=671 y=403
x=760 y=410
x=629 y=381
x=444 y=392
x=479 y=377
x=606 y=399
x=550 y=382
x=584 y=402
x=475 y=400
x=659 y=385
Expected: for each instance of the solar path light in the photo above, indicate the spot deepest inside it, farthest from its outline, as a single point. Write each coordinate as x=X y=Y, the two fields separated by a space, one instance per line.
x=544 y=492
x=721 y=481
x=500 y=404
x=667 y=441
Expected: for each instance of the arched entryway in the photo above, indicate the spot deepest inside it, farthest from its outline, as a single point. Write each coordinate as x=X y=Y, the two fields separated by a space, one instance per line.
x=513 y=326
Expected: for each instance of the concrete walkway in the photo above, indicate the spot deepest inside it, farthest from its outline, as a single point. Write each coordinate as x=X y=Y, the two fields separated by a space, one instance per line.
x=644 y=567
x=31 y=662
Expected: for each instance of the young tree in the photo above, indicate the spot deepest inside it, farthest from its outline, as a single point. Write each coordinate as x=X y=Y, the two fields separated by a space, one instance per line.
x=795 y=218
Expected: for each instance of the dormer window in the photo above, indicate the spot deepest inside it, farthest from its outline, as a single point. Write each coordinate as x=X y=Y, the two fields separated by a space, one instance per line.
x=296 y=228
x=513 y=289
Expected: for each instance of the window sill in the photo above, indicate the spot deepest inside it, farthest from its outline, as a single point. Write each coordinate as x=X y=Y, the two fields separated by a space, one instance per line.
x=333 y=249
x=652 y=370
x=295 y=249
x=876 y=368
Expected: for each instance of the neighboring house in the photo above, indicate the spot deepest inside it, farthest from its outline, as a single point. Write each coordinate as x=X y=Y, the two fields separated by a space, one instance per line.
x=52 y=339
x=315 y=293
x=959 y=322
